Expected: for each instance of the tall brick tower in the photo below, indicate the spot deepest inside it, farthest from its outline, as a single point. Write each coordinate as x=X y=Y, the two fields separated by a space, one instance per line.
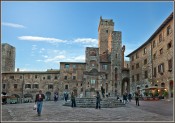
x=109 y=41
x=8 y=58
x=106 y=26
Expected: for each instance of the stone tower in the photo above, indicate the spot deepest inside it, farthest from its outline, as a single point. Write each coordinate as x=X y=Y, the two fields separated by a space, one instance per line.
x=115 y=50
x=8 y=58
x=109 y=41
x=106 y=26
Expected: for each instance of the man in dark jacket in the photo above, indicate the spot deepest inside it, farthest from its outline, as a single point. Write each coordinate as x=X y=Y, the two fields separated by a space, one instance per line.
x=98 y=99
x=73 y=100
x=39 y=101
x=137 y=98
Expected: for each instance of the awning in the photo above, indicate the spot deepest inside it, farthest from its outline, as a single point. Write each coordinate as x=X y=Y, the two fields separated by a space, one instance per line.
x=153 y=87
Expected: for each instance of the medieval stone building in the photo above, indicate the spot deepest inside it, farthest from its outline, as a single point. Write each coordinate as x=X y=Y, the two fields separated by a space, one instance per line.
x=25 y=84
x=103 y=67
x=152 y=63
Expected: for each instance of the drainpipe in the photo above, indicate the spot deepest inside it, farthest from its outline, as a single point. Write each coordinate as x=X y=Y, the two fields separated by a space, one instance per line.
x=22 y=98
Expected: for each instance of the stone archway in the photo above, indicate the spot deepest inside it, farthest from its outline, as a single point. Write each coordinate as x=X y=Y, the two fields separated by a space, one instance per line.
x=48 y=96
x=125 y=85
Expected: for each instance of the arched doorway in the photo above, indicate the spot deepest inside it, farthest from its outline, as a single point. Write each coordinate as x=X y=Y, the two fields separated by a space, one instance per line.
x=48 y=96
x=125 y=85
x=28 y=98
x=171 y=88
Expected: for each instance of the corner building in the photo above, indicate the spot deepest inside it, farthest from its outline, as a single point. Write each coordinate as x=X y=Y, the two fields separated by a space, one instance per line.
x=152 y=63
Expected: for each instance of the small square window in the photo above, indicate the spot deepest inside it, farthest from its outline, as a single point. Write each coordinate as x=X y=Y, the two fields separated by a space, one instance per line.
x=50 y=86
x=15 y=86
x=67 y=66
x=66 y=86
x=74 y=78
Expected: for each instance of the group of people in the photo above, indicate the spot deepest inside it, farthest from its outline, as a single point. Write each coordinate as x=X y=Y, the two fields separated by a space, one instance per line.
x=128 y=97
x=40 y=97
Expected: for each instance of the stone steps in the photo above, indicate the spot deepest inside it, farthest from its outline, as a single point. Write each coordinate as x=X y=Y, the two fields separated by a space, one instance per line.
x=91 y=103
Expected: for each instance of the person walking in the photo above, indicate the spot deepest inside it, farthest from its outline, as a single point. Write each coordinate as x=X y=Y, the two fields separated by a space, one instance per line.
x=65 y=96
x=39 y=101
x=124 y=98
x=137 y=98
x=98 y=99
x=73 y=100
x=56 y=96
x=129 y=97
x=103 y=91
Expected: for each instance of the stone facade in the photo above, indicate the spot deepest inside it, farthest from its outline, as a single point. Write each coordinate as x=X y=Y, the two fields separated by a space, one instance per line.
x=155 y=59
x=71 y=77
x=8 y=58
x=27 y=84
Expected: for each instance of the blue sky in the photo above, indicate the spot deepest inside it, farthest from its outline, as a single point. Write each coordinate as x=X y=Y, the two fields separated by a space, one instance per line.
x=46 y=33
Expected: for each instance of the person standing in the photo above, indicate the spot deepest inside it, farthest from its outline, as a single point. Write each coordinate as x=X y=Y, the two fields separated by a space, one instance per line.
x=124 y=98
x=137 y=98
x=65 y=96
x=103 y=91
x=98 y=99
x=39 y=101
x=73 y=100
x=56 y=96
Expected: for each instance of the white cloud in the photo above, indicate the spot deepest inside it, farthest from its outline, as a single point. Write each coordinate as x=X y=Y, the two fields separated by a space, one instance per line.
x=90 y=42
x=55 y=59
x=13 y=25
x=45 y=56
x=34 y=47
x=38 y=60
x=85 y=40
x=80 y=58
x=42 y=49
x=41 y=39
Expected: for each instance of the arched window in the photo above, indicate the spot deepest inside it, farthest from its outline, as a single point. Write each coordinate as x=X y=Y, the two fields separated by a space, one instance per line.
x=92 y=53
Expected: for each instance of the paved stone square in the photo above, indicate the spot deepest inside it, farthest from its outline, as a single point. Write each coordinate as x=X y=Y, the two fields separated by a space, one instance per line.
x=54 y=111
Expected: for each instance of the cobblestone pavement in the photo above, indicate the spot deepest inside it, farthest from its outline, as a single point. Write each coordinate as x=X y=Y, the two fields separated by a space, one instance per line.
x=54 y=111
